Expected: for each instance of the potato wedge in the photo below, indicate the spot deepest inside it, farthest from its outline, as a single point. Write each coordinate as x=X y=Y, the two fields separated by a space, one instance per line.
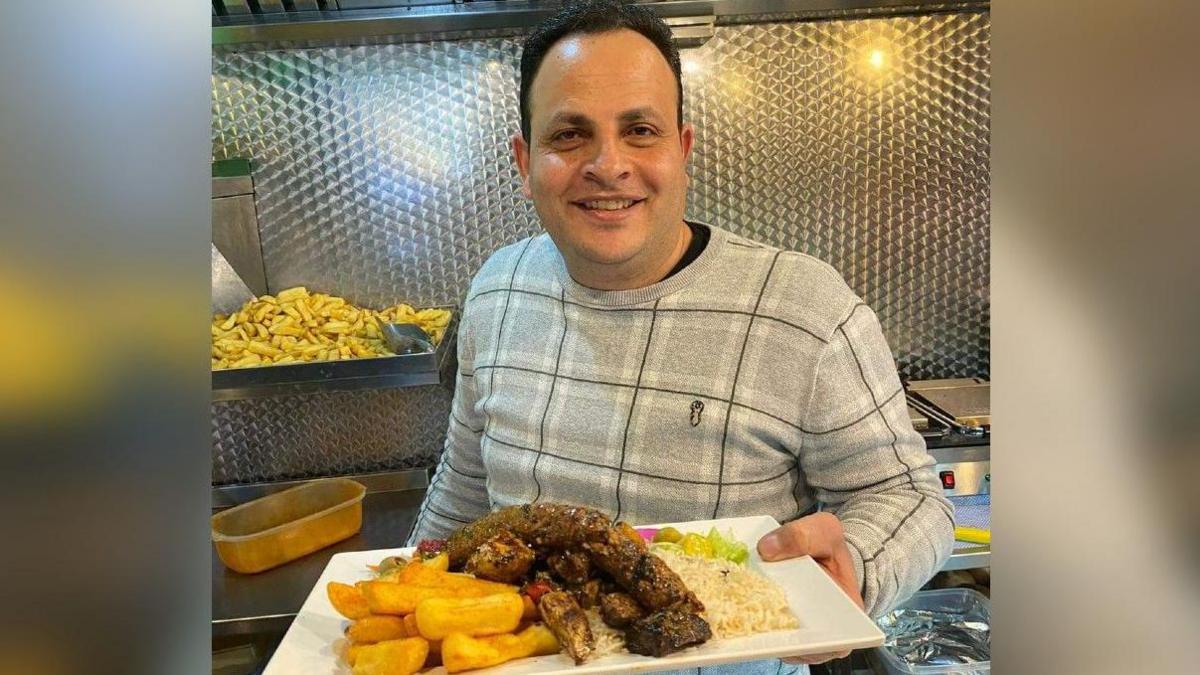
x=462 y=652
x=386 y=597
x=393 y=657
x=489 y=615
x=531 y=610
x=429 y=575
x=393 y=598
x=377 y=628
x=347 y=600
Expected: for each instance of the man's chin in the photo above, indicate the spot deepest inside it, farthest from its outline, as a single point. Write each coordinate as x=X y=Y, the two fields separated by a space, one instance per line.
x=606 y=251
x=605 y=258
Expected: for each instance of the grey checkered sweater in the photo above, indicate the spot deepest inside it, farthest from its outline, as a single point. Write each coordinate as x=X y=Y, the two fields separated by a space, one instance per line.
x=751 y=382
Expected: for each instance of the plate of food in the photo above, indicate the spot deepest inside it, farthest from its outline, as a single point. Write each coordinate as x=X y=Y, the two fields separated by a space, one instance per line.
x=551 y=588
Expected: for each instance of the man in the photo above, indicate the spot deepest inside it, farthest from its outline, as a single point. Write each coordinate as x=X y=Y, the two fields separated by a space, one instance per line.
x=662 y=370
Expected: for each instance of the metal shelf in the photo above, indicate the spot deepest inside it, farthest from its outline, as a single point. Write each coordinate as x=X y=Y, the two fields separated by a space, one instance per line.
x=384 y=372
x=429 y=21
x=969 y=558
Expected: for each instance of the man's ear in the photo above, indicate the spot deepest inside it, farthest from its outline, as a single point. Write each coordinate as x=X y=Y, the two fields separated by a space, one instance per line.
x=686 y=136
x=521 y=155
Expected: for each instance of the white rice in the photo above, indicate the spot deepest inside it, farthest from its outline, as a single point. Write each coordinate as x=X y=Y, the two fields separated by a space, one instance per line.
x=609 y=640
x=737 y=601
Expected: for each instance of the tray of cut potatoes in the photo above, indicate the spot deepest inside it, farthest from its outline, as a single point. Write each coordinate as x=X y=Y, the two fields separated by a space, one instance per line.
x=298 y=341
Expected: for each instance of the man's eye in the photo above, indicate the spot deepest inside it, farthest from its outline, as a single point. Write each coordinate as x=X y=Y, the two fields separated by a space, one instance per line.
x=566 y=135
x=643 y=130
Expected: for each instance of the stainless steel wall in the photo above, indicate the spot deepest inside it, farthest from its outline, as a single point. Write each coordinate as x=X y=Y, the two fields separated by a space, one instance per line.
x=383 y=174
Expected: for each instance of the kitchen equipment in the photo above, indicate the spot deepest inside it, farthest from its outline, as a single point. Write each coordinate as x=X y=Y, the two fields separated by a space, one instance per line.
x=423 y=364
x=235 y=222
x=958 y=434
x=966 y=400
x=406 y=338
x=279 y=528
x=920 y=422
x=229 y=292
x=937 y=633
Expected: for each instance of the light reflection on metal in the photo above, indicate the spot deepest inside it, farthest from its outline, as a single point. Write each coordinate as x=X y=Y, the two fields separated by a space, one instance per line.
x=691 y=63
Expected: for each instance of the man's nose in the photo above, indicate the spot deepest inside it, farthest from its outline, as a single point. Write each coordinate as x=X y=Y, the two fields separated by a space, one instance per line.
x=609 y=163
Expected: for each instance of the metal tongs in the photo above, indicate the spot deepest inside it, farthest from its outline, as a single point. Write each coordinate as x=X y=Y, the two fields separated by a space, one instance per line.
x=405 y=338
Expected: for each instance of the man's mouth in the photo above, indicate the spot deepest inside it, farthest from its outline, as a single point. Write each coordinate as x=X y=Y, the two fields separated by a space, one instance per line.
x=608 y=205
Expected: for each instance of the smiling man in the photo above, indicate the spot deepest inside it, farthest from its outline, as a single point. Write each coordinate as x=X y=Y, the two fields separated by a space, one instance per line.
x=665 y=370
x=603 y=157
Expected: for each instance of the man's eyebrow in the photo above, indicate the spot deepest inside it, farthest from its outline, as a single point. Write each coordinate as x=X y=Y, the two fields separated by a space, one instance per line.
x=570 y=118
x=638 y=115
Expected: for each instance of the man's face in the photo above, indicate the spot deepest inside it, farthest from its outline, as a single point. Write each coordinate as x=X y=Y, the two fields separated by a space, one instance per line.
x=605 y=161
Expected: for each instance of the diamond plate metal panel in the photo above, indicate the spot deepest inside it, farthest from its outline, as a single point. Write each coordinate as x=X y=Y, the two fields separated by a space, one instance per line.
x=295 y=437
x=865 y=143
x=384 y=173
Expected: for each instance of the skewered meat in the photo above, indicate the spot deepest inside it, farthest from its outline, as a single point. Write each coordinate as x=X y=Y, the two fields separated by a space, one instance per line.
x=545 y=527
x=619 y=609
x=573 y=567
x=588 y=594
x=631 y=534
x=502 y=558
x=667 y=631
x=643 y=575
x=567 y=621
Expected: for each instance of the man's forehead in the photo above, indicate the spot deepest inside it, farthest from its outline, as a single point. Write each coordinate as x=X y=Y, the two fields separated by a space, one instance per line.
x=617 y=50
x=621 y=71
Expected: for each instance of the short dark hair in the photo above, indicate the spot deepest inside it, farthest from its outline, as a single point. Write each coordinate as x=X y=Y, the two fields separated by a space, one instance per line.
x=591 y=17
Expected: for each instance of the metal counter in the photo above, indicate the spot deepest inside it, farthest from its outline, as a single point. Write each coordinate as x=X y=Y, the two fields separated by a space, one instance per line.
x=267 y=602
x=248 y=604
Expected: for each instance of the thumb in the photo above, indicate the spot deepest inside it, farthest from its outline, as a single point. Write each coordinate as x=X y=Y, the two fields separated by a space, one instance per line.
x=804 y=536
x=788 y=541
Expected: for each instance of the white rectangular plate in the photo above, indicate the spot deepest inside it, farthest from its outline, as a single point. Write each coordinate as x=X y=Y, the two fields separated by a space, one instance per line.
x=829 y=620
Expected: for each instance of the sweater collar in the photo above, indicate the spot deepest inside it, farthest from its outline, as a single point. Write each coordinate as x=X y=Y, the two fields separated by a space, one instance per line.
x=636 y=296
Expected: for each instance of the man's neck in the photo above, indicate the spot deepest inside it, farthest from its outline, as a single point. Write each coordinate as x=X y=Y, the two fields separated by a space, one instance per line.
x=634 y=273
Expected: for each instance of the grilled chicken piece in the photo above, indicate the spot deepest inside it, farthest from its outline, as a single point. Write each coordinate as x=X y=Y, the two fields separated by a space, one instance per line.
x=544 y=527
x=567 y=621
x=643 y=575
x=502 y=558
x=573 y=567
x=665 y=632
x=619 y=609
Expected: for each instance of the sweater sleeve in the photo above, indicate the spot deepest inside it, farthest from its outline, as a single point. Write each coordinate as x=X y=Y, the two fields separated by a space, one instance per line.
x=867 y=464
x=458 y=492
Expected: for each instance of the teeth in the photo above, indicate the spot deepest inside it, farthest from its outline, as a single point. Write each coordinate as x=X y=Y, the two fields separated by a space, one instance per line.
x=609 y=204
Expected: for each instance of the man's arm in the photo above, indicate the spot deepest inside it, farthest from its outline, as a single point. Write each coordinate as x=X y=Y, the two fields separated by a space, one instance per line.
x=865 y=461
x=458 y=492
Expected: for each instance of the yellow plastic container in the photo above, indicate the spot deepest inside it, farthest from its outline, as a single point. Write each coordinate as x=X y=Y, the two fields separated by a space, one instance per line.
x=279 y=528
